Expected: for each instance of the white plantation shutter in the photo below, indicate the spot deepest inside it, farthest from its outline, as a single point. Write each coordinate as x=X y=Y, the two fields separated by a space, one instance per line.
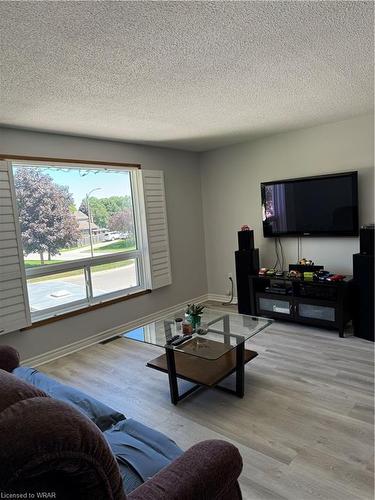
x=14 y=305
x=157 y=228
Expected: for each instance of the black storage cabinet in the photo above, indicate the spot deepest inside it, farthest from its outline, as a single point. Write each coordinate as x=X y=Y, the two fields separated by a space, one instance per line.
x=324 y=304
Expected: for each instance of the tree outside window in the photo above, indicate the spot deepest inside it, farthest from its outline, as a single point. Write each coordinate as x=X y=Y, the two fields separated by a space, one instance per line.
x=45 y=212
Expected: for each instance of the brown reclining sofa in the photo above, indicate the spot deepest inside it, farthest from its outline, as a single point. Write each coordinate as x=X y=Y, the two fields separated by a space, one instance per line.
x=48 y=447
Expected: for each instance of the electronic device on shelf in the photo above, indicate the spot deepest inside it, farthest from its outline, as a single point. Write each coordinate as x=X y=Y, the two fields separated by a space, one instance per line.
x=279 y=287
x=324 y=205
x=304 y=268
x=280 y=283
x=280 y=291
x=305 y=262
x=312 y=291
x=323 y=304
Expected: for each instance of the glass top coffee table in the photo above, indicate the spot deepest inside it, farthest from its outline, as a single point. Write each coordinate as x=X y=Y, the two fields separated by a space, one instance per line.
x=212 y=353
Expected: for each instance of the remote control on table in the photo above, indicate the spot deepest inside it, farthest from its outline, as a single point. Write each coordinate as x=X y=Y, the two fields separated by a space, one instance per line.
x=181 y=340
x=172 y=339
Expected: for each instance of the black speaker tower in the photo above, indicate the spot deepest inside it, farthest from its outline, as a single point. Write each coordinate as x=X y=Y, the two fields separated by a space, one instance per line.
x=366 y=240
x=363 y=276
x=247 y=263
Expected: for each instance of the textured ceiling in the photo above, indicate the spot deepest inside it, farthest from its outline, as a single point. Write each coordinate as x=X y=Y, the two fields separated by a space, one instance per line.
x=191 y=75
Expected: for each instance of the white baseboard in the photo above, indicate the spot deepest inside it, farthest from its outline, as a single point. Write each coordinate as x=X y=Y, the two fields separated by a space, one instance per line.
x=221 y=298
x=112 y=332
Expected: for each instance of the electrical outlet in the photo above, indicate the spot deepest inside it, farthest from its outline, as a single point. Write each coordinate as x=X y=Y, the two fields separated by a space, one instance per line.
x=230 y=277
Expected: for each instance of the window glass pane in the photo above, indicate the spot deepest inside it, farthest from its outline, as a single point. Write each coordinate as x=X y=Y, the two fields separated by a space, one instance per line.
x=114 y=276
x=56 y=290
x=73 y=213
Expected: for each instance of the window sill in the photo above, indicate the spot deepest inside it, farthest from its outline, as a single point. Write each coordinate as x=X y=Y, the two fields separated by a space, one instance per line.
x=85 y=309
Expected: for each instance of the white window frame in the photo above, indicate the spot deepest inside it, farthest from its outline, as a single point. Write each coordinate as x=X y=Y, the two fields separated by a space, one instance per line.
x=140 y=254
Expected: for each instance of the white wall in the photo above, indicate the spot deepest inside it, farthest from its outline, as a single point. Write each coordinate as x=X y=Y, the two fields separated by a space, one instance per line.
x=227 y=180
x=231 y=178
x=185 y=221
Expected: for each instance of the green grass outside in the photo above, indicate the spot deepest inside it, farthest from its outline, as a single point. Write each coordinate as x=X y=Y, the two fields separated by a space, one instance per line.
x=76 y=272
x=36 y=263
x=116 y=246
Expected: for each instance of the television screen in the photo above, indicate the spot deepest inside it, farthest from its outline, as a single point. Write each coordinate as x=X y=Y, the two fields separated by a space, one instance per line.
x=311 y=206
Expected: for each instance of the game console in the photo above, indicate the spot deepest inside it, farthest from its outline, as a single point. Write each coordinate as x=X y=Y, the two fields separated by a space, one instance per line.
x=279 y=287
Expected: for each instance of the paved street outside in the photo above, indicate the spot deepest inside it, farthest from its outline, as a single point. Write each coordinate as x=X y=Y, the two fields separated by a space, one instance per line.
x=55 y=292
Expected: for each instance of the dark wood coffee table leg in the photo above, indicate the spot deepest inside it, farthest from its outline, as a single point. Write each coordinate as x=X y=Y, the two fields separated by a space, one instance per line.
x=172 y=376
x=173 y=386
x=240 y=370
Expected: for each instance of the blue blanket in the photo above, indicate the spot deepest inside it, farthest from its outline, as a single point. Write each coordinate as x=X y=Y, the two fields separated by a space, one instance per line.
x=102 y=415
x=145 y=449
x=138 y=448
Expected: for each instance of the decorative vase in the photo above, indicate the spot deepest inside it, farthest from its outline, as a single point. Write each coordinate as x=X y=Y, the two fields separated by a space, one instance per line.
x=195 y=320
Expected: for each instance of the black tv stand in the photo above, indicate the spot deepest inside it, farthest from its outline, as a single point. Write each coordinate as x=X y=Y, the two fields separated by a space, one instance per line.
x=327 y=304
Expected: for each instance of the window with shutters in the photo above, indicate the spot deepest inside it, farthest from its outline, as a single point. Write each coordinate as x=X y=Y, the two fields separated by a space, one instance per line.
x=86 y=234
x=14 y=307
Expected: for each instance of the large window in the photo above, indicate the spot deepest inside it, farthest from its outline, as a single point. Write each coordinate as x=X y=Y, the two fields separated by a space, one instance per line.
x=80 y=233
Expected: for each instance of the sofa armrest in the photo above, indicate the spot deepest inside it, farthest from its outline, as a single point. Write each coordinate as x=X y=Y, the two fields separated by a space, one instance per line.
x=207 y=470
x=46 y=445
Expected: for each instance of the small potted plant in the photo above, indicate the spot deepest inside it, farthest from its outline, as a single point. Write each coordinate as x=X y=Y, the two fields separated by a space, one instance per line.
x=194 y=312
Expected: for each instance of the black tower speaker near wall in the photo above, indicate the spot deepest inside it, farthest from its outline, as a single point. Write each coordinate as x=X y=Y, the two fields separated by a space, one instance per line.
x=245 y=240
x=247 y=263
x=363 y=275
x=366 y=240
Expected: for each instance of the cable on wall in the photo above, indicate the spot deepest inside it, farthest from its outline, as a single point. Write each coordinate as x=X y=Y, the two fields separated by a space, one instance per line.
x=298 y=256
x=231 y=293
x=277 y=263
x=282 y=254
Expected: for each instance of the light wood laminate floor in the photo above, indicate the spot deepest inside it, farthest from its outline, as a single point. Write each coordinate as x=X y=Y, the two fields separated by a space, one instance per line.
x=304 y=427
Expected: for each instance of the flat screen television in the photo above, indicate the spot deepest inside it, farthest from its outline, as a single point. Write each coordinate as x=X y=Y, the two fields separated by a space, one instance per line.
x=325 y=205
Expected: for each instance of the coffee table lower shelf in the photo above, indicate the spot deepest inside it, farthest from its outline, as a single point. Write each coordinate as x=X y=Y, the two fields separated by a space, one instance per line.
x=201 y=371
